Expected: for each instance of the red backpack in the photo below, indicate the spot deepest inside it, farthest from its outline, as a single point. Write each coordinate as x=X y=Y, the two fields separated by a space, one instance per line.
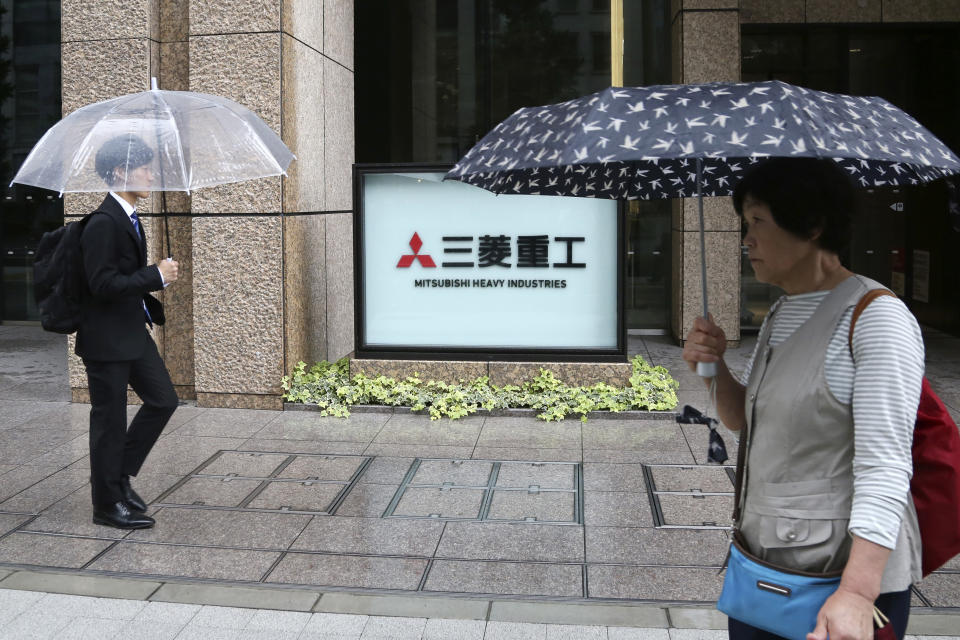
x=936 y=468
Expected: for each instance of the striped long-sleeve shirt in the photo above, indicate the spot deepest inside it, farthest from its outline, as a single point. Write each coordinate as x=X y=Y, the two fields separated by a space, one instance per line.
x=884 y=387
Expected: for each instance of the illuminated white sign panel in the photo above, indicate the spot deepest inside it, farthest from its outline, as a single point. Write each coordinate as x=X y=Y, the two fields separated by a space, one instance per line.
x=449 y=265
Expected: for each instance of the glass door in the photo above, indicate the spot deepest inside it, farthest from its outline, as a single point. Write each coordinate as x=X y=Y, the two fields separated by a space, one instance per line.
x=648 y=266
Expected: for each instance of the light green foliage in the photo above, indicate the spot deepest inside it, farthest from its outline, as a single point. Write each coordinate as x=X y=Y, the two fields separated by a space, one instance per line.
x=329 y=385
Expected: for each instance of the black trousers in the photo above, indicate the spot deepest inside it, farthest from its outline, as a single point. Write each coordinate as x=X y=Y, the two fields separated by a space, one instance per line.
x=895 y=605
x=116 y=450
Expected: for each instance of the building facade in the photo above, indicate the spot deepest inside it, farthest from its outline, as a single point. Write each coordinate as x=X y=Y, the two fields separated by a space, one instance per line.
x=267 y=266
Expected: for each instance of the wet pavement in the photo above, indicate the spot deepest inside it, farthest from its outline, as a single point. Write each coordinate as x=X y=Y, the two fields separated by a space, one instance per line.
x=616 y=512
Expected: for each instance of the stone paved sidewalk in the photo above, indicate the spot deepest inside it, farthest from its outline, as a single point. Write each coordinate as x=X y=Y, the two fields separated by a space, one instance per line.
x=615 y=511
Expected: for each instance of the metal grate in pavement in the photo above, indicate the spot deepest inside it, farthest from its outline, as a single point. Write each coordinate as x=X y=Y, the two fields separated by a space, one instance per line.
x=313 y=484
x=490 y=491
x=690 y=496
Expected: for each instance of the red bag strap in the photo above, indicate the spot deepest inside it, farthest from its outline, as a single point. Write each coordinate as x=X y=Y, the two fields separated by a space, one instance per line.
x=867 y=298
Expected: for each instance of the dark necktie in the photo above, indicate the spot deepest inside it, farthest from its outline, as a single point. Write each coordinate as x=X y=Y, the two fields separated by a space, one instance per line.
x=136 y=225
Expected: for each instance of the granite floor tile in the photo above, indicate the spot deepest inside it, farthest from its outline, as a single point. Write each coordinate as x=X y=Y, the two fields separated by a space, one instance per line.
x=410 y=429
x=546 y=476
x=536 y=454
x=182 y=454
x=634 y=435
x=349 y=571
x=371 y=536
x=66 y=454
x=41 y=415
x=523 y=433
x=9 y=522
x=191 y=632
x=515 y=631
x=20 y=445
x=523 y=542
x=696 y=510
x=49 y=551
x=383 y=628
x=169 y=612
x=634 y=545
x=942 y=589
x=418 y=451
x=672 y=454
x=303 y=446
x=297 y=496
x=213 y=492
x=367 y=500
x=613 y=477
x=506 y=578
x=89 y=607
x=631 y=633
x=617 y=509
x=654 y=583
x=192 y=562
x=698 y=437
x=36 y=626
x=23 y=477
x=336 y=625
x=13 y=602
x=471 y=473
x=223 y=528
x=183 y=415
x=309 y=425
x=47 y=491
x=542 y=506
x=386 y=470
x=322 y=468
x=445 y=503
x=440 y=629
x=244 y=464
x=692 y=478
x=151 y=484
x=151 y=630
x=234 y=618
x=575 y=632
x=701 y=634
x=227 y=423
x=291 y=621
x=73 y=515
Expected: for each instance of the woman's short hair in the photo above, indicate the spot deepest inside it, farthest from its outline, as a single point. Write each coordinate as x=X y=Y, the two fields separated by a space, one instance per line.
x=128 y=151
x=805 y=195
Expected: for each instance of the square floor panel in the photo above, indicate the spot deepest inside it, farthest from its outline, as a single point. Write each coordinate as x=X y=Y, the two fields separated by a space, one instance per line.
x=696 y=511
x=297 y=496
x=539 y=474
x=463 y=473
x=243 y=463
x=323 y=468
x=213 y=492
x=691 y=478
x=428 y=502
x=540 y=506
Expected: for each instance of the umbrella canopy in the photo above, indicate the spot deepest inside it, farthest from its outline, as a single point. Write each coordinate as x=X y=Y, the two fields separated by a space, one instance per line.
x=188 y=140
x=643 y=142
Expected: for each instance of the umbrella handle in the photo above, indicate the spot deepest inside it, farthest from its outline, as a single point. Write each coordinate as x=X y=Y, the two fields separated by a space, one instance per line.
x=707 y=369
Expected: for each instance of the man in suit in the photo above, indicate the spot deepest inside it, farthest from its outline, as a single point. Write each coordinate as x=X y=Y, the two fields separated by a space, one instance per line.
x=113 y=340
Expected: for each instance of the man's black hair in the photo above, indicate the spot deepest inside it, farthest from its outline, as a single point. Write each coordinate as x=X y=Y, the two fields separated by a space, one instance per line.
x=128 y=151
x=805 y=195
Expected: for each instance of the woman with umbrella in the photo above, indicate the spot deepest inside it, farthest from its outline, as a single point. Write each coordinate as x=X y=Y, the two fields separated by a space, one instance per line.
x=829 y=422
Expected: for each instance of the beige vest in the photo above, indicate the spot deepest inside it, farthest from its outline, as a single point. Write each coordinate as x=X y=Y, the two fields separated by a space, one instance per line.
x=795 y=508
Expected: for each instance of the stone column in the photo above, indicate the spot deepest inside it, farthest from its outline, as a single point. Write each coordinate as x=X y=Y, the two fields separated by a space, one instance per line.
x=706 y=48
x=273 y=257
x=107 y=50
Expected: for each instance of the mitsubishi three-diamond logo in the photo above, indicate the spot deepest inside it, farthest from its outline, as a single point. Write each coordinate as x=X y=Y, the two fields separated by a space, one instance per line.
x=425 y=260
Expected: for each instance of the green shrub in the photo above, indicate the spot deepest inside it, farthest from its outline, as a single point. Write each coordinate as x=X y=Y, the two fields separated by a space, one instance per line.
x=329 y=386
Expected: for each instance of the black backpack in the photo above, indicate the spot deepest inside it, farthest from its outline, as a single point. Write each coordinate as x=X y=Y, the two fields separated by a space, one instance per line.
x=59 y=285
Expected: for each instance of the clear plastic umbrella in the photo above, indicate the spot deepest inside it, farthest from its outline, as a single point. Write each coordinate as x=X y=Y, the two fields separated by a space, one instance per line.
x=187 y=140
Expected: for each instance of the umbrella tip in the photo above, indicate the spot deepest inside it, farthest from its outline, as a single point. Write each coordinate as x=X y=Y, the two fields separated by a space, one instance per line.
x=153 y=84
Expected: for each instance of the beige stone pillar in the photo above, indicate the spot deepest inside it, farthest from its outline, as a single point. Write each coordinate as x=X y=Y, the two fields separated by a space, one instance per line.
x=273 y=258
x=107 y=50
x=706 y=48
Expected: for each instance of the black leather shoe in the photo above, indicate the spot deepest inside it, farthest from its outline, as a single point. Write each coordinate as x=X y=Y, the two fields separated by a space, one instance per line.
x=120 y=516
x=130 y=496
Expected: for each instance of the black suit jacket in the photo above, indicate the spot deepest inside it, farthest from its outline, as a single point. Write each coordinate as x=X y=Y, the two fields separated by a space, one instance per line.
x=118 y=281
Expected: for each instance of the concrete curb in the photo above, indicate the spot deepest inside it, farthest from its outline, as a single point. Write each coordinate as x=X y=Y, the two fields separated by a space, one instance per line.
x=644 y=615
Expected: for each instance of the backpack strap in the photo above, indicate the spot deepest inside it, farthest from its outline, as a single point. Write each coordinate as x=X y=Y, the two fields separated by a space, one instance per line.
x=867 y=298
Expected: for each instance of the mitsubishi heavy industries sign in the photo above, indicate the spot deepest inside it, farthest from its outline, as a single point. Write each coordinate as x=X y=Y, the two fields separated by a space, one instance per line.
x=444 y=266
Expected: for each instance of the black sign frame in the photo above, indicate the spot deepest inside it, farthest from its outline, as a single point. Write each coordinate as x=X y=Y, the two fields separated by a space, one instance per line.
x=365 y=351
